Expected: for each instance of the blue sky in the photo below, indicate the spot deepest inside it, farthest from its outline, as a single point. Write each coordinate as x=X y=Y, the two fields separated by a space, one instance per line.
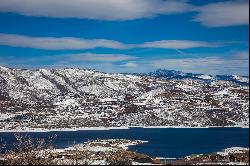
x=208 y=36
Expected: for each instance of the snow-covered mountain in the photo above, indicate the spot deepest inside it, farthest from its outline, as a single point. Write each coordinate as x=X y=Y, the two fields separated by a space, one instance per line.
x=172 y=74
x=73 y=98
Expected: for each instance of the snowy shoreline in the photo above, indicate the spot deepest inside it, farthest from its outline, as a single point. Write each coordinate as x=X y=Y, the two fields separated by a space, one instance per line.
x=112 y=128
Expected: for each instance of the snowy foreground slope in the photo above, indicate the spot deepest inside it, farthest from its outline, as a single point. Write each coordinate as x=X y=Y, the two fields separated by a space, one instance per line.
x=77 y=98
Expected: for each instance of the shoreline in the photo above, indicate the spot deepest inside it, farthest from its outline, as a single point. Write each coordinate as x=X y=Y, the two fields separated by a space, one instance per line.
x=40 y=130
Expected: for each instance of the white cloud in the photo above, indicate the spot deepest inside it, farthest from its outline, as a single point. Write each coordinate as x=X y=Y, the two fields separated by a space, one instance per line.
x=52 y=43
x=130 y=65
x=70 y=43
x=95 y=9
x=178 y=44
x=221 y=14
x=94 y=57
x=68 y=59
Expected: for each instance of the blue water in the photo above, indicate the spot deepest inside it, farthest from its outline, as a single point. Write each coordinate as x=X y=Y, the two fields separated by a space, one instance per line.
x=168 y=142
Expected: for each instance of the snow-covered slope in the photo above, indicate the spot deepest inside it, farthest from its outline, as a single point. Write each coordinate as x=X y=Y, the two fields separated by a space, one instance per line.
x=68 y=98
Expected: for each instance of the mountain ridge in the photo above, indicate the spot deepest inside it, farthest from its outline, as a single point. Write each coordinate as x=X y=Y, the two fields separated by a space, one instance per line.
x=175 y=74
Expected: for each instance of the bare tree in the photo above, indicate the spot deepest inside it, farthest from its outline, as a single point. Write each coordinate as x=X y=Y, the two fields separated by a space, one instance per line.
x=120 y=157
x=30 y=152
x=82 y=156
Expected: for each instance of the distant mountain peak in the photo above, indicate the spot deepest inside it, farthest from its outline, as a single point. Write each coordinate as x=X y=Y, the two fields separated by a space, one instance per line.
x=173 y=74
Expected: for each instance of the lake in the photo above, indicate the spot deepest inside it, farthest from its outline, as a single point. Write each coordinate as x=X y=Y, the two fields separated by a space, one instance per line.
x=163 y=142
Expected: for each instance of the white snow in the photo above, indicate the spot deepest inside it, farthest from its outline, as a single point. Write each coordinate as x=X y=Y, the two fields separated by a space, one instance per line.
x=4 y=116
x=108 y=100
x=227 y=151
x=222 y=92
x=241 y=79
x=67 y=102
x=205 y=77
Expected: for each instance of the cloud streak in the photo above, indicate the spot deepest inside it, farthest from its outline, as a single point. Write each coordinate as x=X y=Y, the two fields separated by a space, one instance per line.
x=220 y=14
x=234 y=64
x=93 y=57
x=178 y=44
x=70 y=43
x=52 y=43
x=95 y=9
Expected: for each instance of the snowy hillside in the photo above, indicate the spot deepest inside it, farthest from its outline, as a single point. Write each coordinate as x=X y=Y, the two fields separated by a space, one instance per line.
x=74 y=98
